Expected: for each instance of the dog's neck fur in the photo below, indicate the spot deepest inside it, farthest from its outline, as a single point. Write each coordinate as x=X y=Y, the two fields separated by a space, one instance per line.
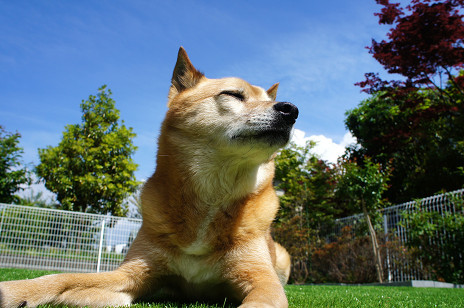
x=220 y=181
x=207 y=185
x=217 y=180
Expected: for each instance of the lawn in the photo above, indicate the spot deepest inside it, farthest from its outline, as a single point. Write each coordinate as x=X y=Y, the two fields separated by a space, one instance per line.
x=321 y=296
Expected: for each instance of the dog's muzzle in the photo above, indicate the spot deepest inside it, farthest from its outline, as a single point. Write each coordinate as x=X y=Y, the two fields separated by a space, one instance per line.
x=287 y=111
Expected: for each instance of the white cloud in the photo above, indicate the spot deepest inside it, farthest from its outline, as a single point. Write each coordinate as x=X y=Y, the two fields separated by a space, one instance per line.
x=325 y=147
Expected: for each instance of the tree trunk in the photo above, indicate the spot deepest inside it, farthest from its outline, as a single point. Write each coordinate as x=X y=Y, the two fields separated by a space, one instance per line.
x=375 y=246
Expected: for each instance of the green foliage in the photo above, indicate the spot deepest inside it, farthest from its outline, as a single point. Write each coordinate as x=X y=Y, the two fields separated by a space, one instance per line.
x=314 y=193
x=348 y=259
x=437 y=238
x=307 y=184
x=420 y=132
x=11 y=175
x=91 y=170
x=416 y=122
x=300 y=241
x=307 y=202
x=362 y=186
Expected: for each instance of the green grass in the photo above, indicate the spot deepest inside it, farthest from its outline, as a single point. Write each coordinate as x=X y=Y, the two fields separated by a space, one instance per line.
x=319 y=296
x=16 y=274
x=351 y=296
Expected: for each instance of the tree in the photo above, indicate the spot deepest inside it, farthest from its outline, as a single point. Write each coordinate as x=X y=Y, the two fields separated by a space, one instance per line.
x=362 y=185
x=420 y=136
x=425 y=44
x=307 y=188
x=11 y=175
x=307 y=183
x=416 y=122
x=91 y=170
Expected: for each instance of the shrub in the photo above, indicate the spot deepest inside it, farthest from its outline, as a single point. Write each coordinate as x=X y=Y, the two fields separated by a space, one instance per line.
x=300 y=241
x=437 y=238
x=349 y=259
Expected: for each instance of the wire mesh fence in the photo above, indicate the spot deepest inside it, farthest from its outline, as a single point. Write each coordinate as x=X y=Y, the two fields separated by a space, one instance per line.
x=395 y=233
x=39 y=238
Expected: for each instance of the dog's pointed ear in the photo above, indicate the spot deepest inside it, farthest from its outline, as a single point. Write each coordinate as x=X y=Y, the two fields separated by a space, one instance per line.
x=185 y=75
x=272 y=92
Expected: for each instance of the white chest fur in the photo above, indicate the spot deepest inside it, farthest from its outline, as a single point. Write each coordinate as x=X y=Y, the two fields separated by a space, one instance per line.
x=196 y=269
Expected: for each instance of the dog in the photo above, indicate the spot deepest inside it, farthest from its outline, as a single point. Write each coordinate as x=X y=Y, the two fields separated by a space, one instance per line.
x=207 y=210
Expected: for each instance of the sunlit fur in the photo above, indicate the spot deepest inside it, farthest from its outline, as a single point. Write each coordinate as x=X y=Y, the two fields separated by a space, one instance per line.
x=207 y=209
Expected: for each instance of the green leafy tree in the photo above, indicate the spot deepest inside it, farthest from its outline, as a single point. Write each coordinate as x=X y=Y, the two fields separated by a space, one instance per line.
x=11 y=173
x=91 y=170
x=416 y=121
x=306 y=187
x=361 y=186
x=420 y=133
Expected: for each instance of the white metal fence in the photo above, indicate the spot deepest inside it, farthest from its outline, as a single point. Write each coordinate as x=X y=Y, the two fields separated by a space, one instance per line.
x=398 y=267
x=39 y=238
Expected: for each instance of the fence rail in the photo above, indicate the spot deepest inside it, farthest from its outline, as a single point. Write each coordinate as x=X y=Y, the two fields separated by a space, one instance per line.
x=391 y=227
x=39 y=238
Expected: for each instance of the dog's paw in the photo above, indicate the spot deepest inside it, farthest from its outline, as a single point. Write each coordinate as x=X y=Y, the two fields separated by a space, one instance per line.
x=8 y=298
x=256 y=305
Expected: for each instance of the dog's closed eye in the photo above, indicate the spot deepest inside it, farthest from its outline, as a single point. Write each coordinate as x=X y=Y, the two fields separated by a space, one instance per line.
x=235 y=94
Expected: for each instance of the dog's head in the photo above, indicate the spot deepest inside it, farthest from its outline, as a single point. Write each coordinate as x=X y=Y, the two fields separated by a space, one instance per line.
x=229 y=114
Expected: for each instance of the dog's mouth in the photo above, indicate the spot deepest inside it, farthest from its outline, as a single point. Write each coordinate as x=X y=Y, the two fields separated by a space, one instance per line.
x=271 y=136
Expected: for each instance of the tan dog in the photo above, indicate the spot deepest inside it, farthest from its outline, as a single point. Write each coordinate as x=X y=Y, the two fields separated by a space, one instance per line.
x=207 y=210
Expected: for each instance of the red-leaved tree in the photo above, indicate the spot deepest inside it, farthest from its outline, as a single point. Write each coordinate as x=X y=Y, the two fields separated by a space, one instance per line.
x=424 y=45
x=415 y=121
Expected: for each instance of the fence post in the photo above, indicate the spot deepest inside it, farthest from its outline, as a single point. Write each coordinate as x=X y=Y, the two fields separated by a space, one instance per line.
x=385 y=228
x=1 y=222
x=102 y=231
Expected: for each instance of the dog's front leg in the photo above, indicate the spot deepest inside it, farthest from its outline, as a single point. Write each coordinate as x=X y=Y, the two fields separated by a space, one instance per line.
x=251 y=272
x=68 y=289
x=265 y=294
x=116 y=288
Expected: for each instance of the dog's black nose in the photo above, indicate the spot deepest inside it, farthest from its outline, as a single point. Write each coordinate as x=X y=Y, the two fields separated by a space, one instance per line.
x=288 y=111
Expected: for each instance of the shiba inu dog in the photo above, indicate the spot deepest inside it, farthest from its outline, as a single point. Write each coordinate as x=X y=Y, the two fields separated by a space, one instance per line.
x=207 y=209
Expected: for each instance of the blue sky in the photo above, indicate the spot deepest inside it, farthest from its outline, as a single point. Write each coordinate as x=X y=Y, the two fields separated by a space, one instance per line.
x=54 y=54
